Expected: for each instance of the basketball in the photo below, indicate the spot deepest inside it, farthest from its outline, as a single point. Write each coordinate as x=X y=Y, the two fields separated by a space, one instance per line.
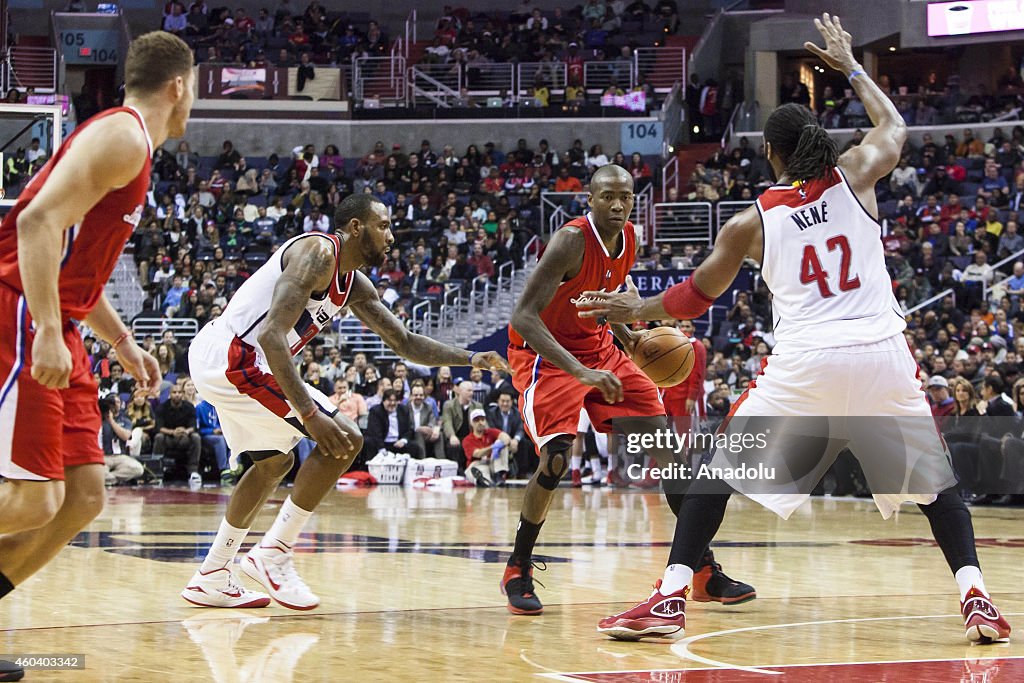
x=665 y=355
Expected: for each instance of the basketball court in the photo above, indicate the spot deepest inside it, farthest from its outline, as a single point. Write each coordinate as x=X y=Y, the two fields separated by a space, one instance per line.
x=409 y=586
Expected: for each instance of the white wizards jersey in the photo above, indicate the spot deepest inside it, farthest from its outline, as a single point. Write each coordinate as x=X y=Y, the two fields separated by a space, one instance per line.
x=249 y=306
x=825 y=266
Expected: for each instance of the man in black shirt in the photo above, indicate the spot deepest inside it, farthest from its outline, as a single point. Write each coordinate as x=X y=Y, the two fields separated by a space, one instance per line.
x=176 y=431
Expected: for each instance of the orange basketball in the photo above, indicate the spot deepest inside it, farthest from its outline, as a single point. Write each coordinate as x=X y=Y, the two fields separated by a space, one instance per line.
x=665 y=355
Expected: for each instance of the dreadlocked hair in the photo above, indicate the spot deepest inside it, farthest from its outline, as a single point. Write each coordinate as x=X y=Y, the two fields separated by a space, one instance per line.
x=803 y=146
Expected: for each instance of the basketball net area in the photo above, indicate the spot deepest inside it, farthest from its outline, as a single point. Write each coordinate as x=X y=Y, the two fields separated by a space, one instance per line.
x=19 y=123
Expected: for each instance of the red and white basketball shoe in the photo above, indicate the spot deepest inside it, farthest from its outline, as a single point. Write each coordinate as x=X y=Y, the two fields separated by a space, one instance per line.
x=982 y=621
x=273 y=568
x=577 y=479
x=660 y=616
x=219 y=588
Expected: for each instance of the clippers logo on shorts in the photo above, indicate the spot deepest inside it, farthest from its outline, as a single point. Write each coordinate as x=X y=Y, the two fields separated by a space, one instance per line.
x=669 y=608
x=599 y=272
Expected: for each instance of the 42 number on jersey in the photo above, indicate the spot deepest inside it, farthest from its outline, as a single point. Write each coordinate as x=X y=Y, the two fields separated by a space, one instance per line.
x=812 y=272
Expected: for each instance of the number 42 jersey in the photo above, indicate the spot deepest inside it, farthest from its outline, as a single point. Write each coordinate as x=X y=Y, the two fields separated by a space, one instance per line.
x=825 y=266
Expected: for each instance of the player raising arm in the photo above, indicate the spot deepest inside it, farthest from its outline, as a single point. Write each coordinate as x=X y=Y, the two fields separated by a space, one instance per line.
x=840 y=349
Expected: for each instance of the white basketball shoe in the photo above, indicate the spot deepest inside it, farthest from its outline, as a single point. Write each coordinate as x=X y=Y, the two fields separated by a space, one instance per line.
x=219 y=588
x=273 y=568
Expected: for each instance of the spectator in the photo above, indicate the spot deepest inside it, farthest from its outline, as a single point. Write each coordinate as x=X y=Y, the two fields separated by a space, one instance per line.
x=229 y=156
x=316 y=221
x=481 y=389
x=176 y=431
x=211 y=434
x=904 y=179
x=486 y=451
x=117 y=442
x=424 y=421
x=1011 y=241
x=390 y=429
x=143 y=423
x=993 y=401
x=455 y=417
x=349 y=403
x=942 y=404
x=505 y=417
x=175 y=22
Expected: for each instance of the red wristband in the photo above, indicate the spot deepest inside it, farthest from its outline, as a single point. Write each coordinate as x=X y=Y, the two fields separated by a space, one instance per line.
x=124 y=336
x=685 y=301
x=311 y=413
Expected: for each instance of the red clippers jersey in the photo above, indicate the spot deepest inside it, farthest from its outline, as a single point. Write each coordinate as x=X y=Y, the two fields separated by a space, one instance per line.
x=91 y=248
x=600 y=271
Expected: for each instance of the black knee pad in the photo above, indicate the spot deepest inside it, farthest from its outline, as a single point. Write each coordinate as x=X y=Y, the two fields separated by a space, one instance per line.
x=557 y=462
x=947 y=501
x=256 y=456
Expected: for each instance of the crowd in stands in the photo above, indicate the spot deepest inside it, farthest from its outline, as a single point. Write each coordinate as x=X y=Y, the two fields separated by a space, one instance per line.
x=555 y=38
x=921 y=101
x=527 y=33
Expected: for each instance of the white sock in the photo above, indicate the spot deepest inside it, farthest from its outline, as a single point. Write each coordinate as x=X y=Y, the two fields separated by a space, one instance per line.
x=576 y=462
x=677 y=576
x=225 y=547
x=288 y=525
x=613 y=461
x=968 y=576
x=595 y=466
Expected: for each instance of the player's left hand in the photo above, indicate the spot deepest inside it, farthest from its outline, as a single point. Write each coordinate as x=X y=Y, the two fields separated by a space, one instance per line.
x=615 y=307
x=491 y=360
x=141 y=365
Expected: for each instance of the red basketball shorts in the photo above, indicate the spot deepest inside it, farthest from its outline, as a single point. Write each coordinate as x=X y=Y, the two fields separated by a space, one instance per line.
x=550 y=399
x=42 y=431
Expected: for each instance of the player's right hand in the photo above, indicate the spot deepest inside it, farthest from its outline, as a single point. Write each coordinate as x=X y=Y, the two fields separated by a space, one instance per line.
x=51 y=360
x=608 y=383
x=838 y=52
x=329 y=435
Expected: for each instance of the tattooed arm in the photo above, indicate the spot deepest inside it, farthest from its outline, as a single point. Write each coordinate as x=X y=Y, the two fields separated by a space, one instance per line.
x=307 y=267
x=367 y=306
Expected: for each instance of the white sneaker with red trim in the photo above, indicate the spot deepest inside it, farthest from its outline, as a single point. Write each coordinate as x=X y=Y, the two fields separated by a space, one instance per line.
x=273 y=568
x=219 y=588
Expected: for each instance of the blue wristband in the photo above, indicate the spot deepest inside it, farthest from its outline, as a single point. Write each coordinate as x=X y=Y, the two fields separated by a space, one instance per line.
x=471 y=355
x=496 y=448
x=855 y=73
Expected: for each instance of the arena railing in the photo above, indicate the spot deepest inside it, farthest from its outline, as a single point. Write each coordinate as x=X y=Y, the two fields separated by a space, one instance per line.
x=378 y=80
x=987 y=288
x=553 y=74
x=185 y=329
x=661 y=66
x=597 y=76
x=437 y=84
x=553 y=210
x=726 y=210
x=683 y=222
x=927 y=303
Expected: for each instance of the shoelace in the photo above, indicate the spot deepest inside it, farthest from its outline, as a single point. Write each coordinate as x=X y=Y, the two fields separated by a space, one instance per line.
x=527 y=577
x=285 y=572
x=233 y=585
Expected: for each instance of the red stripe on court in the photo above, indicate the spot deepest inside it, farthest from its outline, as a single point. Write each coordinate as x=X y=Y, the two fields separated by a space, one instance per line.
x=942 y=671
x=251 y=381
